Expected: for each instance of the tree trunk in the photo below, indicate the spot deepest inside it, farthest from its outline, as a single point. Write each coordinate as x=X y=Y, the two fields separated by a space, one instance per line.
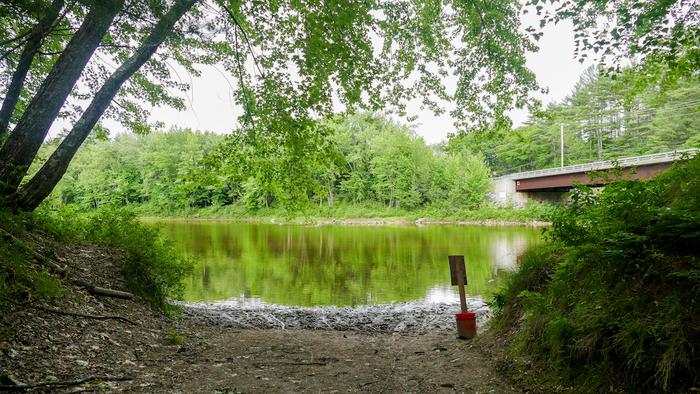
x=21 y=147
x=330 y=195
x=30 y=50
x=41 y=185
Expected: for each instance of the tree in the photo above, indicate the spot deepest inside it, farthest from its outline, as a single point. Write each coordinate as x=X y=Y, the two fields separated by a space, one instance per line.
x=40 y=186
x=661 y=37
x=18 y=152
x=603 y=118
x=292 y=60
x=303 y=54
x=34 y=38
x=468 y=181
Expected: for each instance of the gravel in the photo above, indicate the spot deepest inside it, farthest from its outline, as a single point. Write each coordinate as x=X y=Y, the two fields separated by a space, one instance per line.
x=417 y=317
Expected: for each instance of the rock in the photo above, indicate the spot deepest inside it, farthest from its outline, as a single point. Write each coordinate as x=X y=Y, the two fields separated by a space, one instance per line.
x=400 y=318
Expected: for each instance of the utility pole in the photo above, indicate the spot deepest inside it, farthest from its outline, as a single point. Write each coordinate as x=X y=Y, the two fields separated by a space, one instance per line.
x=561 y=143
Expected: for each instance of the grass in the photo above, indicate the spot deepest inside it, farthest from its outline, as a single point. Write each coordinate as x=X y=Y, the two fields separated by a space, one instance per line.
x=175 y=337
x=344 y=211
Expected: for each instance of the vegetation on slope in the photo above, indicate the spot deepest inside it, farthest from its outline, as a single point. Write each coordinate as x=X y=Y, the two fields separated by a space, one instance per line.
x=152 y=269
x=612 y=299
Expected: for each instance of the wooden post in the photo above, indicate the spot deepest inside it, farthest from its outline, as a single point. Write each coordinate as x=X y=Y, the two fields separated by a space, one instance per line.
x=458 y=273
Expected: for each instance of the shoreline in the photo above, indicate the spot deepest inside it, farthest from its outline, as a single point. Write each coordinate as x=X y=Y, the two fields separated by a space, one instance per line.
x=406 y=318
x=354 y=221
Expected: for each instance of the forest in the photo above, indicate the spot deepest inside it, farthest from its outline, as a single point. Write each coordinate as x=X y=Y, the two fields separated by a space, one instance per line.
x=603 y=118
x=371 y=161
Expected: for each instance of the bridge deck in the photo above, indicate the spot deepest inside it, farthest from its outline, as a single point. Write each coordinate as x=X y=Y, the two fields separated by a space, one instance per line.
x=665 y=157
x=563 y=182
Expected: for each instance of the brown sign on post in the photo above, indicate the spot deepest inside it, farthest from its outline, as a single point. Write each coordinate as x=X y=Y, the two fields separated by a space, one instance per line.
x=459 y=278
x=457 y=269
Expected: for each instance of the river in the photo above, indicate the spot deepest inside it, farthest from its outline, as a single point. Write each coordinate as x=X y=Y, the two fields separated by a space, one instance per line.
x=297 y=265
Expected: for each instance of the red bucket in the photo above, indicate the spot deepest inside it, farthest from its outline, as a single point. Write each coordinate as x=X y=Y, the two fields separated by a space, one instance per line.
x=466 y=325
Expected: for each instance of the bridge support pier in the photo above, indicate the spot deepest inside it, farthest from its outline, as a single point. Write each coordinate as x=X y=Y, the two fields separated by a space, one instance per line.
x=504 y=193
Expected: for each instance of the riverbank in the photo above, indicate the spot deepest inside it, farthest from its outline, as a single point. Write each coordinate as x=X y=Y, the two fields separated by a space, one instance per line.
x=409 y=318
x=352 y=221
x=84 y=341
x=534 y=215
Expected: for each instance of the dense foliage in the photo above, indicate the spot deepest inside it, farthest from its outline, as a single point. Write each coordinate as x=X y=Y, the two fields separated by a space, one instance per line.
x=356 y=160
x=293 y=62
x=613 y=298
x=603 y=119
x=365 y=160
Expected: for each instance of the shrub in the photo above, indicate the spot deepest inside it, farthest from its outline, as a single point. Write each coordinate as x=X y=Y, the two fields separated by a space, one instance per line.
x=532 y=277
x=617 y=303
x=152 y=270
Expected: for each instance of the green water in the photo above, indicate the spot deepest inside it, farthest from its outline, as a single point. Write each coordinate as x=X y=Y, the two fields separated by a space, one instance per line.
x=342 y=265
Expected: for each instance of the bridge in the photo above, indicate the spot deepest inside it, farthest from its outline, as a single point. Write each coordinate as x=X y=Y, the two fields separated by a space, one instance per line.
x=551 y=183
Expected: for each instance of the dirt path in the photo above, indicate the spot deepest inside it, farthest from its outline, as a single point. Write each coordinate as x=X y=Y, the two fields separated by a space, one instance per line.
x=158 y=355
x=186 y=355
x=146 y=352
x=267 y=361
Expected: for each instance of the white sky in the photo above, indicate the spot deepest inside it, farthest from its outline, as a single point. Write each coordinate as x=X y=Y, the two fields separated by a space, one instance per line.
x=554 y=66
x=211 y=106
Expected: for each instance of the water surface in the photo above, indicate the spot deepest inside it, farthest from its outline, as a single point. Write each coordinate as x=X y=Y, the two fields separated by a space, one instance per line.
x=342 y=265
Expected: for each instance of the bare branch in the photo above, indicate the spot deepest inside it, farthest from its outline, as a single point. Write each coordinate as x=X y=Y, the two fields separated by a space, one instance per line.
x=240 y=77
x=245 y=37
x=13 y=39
x=10 y=51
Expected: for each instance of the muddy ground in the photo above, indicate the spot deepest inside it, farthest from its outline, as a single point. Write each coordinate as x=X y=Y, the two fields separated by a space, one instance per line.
x=137 y=349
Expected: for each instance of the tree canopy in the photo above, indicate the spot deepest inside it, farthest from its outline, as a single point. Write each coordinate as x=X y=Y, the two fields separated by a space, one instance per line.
x=294 y=62
x=358 y=160
x=660 y=38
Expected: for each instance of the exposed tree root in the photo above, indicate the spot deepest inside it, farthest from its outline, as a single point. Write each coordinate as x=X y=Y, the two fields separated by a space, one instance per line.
x=96 y=317
x=62 y=383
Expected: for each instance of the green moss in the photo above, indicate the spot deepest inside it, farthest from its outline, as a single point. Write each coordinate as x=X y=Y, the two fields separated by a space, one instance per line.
x=175 y=338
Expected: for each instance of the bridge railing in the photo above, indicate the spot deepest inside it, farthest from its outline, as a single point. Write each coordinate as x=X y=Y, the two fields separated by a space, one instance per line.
x=606 y=164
